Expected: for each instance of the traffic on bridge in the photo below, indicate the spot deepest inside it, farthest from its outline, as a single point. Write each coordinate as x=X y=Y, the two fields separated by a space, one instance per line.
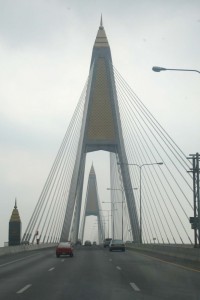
x=117 y=215
x=96 y=273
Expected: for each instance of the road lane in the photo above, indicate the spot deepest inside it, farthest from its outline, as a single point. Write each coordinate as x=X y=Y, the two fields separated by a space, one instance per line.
x=88 y=275
x=157 y=278
x=95 y=273
x=19 y=271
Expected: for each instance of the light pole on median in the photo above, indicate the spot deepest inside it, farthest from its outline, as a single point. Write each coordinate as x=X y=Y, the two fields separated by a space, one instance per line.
x=140 y=167
x=122 y=202
x=103 y=221
x=159 y=69
x=112 y=214
x=108 y=210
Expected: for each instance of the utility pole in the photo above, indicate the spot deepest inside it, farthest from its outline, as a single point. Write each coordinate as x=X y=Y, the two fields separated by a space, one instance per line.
x=195 y=221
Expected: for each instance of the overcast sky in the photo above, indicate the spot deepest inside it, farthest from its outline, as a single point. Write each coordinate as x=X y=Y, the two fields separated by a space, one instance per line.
x=45 y=52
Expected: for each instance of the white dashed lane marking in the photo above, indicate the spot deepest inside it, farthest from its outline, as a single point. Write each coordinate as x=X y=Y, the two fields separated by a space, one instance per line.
x=118 y=268
x=51 y=269
x=24 y=288
x=134 y=286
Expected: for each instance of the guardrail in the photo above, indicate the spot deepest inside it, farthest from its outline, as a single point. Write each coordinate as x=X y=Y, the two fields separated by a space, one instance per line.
x=22 y=248
x=188 y=253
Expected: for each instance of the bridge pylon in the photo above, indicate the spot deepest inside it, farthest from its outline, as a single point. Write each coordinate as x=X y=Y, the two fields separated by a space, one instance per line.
x=92 y=206
x=101 y=130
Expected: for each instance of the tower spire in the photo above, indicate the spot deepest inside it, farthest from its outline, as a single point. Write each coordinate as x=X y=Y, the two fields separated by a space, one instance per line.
x=101 y=39
x=101 y=21
x=14 y=235
x=92 y=172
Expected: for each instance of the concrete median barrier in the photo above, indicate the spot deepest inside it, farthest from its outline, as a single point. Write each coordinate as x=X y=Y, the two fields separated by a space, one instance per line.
x=22 y=248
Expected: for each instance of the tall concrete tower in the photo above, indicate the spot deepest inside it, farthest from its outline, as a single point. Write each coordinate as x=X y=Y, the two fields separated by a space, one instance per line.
x=92 y=205
x=101 y=130
x=14 y=227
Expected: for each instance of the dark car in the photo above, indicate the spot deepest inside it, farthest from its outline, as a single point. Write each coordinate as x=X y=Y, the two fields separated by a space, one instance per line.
x=88 y=243
x=64 y=248
x=106 y=242
x=78 y=242
x=117 y=245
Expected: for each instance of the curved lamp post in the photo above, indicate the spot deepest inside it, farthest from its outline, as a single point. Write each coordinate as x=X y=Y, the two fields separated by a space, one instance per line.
x=159 y=69
x=112 y=214
x=108 y=210
x=140 y=168
x=122 y=202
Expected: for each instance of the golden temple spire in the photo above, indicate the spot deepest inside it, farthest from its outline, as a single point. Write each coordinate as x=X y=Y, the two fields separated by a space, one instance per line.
x=15 y=217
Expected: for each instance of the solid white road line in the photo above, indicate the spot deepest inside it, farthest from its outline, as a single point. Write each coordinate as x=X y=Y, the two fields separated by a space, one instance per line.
x=51 y=269
x=118 y=268
x=24 y=288
x=134 y=286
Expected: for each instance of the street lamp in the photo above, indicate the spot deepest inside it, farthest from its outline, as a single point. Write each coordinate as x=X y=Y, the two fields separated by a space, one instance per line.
x=122 y=202
x=112 y=210
x=140 y=167
x=159 y=69
x=103 y=225
x=108 y=210
x=195 y=192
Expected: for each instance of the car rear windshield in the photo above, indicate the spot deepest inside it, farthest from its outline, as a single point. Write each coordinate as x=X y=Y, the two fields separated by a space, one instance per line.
x=117 y=242
x=64 y=245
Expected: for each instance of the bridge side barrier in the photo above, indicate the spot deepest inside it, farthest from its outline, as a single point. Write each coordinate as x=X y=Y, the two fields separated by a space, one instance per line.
x=21 y=248
x=176 y=251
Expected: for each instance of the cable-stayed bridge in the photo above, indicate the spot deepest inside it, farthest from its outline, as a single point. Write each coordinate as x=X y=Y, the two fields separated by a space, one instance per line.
x=151 y=190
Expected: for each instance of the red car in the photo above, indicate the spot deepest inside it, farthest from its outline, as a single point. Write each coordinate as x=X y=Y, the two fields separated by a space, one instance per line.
x=64 y=249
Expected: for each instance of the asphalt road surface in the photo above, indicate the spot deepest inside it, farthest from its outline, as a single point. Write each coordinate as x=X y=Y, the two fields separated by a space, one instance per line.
x=95 y=273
